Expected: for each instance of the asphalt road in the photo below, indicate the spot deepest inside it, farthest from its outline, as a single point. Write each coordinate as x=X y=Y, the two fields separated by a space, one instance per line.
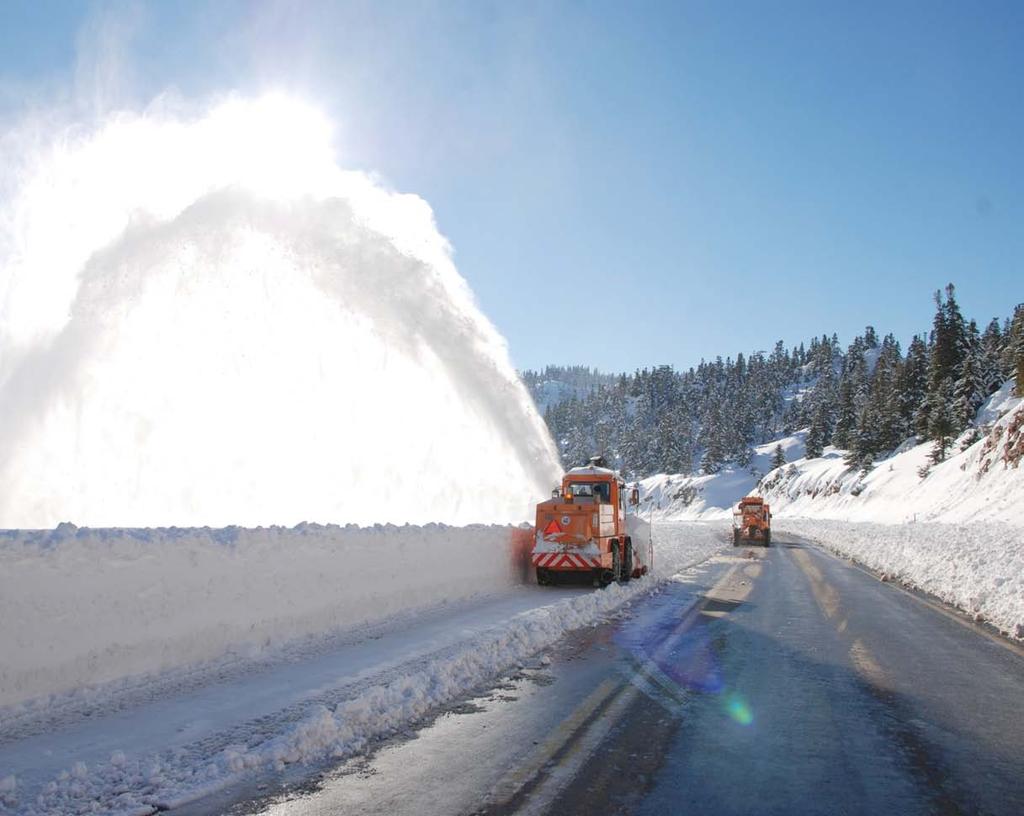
x=783 y=681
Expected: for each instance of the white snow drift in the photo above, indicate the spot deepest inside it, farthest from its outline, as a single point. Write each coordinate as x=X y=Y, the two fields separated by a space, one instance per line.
x=85 y=607
x=205 y=320
x=159 y=776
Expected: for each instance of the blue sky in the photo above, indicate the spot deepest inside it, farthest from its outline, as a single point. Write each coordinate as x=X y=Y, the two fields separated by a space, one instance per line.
x=690 y=179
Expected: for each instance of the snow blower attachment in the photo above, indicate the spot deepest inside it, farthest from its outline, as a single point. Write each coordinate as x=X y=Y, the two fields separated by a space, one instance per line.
x=751 y=522
x=583 y=530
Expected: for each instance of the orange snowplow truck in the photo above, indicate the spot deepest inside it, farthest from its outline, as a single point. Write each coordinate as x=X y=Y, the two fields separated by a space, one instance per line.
x=581 y=530
x=752 y=521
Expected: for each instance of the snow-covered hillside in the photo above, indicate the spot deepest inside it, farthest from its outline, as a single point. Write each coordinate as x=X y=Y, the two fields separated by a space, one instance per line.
x=682 y=497
x=952 y=529
x=954 y=532
x=978 y=481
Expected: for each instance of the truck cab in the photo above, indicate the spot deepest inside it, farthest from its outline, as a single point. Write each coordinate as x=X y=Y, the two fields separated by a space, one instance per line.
x=751 y=521
x=582 y=529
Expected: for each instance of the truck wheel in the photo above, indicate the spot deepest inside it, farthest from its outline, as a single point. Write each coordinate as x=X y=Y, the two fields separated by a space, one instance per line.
x=627 y=563
x=543 y=576
x=768 y=539
x=609 y=575
x=735 y=538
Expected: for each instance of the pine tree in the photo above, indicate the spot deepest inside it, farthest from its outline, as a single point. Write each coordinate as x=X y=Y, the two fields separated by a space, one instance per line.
x=818 y=432
x=949 y=339
x=778 y=457
x=913 y=389
x=970 y=390
x=659 y=419
x=713 y=436
x=846 y=414
x=991 y=373
x=1013 y=350
x=941 y=423
x=863 y=441
x=946 y=352
x=884 y=402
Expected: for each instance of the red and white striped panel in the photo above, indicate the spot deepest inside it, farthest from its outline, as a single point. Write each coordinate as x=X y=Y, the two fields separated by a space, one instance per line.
x=565 y=561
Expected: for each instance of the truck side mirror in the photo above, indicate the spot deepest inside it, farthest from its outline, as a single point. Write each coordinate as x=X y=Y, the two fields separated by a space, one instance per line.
x=634 y=496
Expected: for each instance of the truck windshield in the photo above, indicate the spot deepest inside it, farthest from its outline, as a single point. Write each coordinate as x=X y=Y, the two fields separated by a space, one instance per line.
x=599 y=490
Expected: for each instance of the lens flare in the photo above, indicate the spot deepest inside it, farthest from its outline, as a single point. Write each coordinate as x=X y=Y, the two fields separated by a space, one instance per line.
x=737 y=709
x=206 y=321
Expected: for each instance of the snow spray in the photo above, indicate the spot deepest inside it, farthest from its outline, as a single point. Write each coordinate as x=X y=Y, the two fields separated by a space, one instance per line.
x=204 y=320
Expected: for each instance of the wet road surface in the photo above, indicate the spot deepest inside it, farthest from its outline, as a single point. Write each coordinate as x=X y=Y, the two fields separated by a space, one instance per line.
x=780 y=681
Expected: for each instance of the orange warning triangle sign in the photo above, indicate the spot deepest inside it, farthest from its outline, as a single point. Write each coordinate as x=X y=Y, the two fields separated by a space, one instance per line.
x=552 y=528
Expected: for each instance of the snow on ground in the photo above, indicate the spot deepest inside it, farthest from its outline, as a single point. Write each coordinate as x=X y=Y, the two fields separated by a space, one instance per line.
x=955 y=532
x=81 y=607
x=979 y=481
x=138 y=760
x=712 y=496
x=976 y=567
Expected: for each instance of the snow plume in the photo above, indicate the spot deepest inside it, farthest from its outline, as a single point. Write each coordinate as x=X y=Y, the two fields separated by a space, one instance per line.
x=205 y=320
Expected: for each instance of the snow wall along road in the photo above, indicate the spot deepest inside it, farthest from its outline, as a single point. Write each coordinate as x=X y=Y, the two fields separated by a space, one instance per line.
x=205 y=321
x=81 y=607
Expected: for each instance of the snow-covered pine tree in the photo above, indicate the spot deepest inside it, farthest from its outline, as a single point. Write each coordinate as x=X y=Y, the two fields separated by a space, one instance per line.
x=791 y=417
x=710 y=437
x=778 y=457
x=941 y=423
x=846 y=412
x=818 y=432
x=969 y=390
x=864 y=444
x=990 y=364
x=913 y=389
x=1013 y=349
x=949 y=344
x=658 y=419
x=879 y=424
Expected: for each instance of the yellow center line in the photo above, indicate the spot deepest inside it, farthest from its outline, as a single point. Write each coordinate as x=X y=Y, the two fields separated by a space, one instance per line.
x=867 y=666
x=827 y=598
x=555 y=741
x=952 y=613
x=824 y=593
x=622 y=695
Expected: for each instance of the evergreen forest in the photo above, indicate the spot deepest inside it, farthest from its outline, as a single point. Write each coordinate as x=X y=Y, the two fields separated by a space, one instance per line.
x=867 y=399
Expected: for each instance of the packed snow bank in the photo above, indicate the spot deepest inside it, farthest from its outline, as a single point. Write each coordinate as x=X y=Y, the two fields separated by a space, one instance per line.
x=982 y=481
x=142 y=782
x=80 y=607
x=381 y=709
x=679 y=497
x=977 y=567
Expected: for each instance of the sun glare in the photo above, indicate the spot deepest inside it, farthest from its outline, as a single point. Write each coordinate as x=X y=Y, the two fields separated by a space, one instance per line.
x=235 y=330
